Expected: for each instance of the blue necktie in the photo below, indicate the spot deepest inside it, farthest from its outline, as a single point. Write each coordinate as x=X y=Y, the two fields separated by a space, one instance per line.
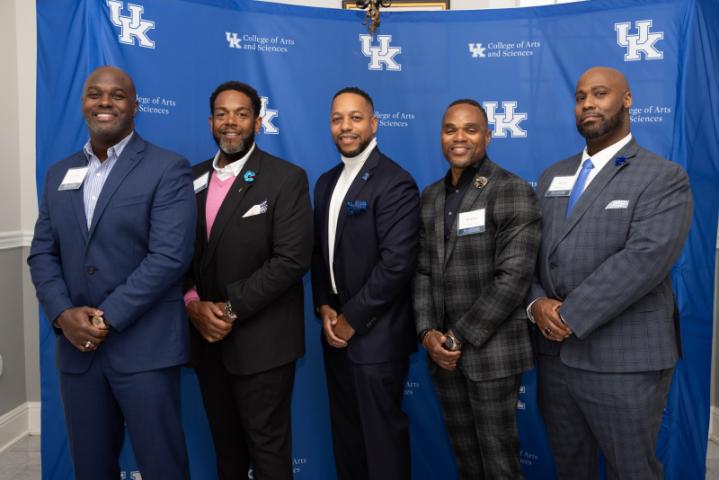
x=578 y=187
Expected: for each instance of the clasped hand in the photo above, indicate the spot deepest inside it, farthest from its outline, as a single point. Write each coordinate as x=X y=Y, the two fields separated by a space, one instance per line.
x=336 y=328
x=545 y=312
x=434 y=344
x=76 y=325
x=209 y=319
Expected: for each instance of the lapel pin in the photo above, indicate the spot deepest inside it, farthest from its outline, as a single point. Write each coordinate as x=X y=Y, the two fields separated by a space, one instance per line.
x=619 y=161
x=249 y=176
x=366 y=176
x=480 y=182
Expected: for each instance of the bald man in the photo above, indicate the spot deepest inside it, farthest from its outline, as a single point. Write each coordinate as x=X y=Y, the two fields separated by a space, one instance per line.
x=113 y=239
x=615 y=218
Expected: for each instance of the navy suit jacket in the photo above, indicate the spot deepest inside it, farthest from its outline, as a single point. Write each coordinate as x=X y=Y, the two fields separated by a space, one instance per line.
x=129 y=263
x=374 y=257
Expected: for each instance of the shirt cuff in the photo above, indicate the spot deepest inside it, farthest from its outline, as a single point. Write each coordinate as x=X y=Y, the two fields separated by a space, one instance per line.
x=191 y=296
x=559 y=312
x=529 y=311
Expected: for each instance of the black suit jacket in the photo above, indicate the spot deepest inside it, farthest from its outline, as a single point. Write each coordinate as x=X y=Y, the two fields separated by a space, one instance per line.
x=374 y=257
x=256 y=262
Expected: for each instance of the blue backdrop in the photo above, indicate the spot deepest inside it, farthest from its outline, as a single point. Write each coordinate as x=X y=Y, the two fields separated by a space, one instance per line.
x=521 y=63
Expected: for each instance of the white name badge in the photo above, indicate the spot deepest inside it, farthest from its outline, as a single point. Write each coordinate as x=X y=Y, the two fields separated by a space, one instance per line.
x=472 y=222
x=560 y=187
x=73 y=178
x=200 y=183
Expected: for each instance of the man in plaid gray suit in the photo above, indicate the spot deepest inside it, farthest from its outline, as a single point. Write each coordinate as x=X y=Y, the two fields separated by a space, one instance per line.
x=615 y=218
x=479 y=238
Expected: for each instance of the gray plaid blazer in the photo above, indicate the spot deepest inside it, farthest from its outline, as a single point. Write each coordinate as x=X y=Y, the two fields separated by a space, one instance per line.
x=609 y=262
x=478 y=282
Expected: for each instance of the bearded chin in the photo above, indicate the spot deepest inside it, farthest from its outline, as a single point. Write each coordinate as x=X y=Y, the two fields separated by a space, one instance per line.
x=600 y=129
x=235 y=152
x=355 y=152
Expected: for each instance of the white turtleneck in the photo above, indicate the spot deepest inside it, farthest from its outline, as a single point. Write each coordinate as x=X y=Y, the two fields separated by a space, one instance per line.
x=352 y=166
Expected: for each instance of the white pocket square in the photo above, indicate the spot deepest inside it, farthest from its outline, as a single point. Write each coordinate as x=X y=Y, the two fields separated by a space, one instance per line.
x=256 y=210
x=615 y=204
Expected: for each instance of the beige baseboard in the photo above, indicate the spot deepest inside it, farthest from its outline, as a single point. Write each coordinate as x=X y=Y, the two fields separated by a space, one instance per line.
x=714 y=425
x=20 y=421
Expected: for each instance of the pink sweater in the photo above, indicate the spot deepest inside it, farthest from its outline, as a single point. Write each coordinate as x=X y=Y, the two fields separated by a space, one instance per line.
x=217 y=190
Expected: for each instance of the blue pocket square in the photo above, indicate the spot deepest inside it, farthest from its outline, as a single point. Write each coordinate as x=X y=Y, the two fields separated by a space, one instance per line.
x=356 y=207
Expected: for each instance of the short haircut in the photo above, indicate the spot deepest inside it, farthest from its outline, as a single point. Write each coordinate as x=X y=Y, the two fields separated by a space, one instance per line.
x=474 y=103
x=356 y=91
x=238 y=87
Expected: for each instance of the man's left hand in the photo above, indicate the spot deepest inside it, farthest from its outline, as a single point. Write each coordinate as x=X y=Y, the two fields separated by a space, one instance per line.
x=343 y=329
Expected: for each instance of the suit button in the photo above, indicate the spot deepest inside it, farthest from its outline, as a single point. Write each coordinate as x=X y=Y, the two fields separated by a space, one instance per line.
x=91 y=270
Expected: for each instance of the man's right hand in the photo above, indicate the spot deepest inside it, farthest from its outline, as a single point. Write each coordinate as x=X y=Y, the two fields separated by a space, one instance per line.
x=329 y=322
x=76 y=325
x=433 y=343
x=207 y=317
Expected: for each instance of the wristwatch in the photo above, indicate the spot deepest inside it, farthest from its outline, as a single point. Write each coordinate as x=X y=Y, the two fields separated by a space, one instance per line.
x=99 y=322
x=229 y=315
x=451 y=343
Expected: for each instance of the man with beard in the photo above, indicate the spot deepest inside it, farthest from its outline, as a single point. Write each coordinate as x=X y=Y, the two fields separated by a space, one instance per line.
x=478 y=244
x=112 y=242
x=615 y=218
x=366 y=222
x=254 y=244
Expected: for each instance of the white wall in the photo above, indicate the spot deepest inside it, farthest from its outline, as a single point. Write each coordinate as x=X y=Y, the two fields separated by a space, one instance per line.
x=19 y=382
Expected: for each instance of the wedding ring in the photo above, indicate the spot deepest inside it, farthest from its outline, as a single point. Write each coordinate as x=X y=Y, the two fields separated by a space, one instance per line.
x=89 y=345
x=548 y=331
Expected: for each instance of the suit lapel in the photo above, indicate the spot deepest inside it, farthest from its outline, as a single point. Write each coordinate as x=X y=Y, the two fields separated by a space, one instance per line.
x=592 y=192
x=130 y=157
x=201 y=198
x=439 y=201
x=557 y=210
x=77 y=197
x=486 y=169
x=232 y=201
x=364 y=176
x=325 y=207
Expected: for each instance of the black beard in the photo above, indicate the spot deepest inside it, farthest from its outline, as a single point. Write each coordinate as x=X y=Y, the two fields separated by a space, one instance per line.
x=607 y=125
x=247 y=143
x=355 y=152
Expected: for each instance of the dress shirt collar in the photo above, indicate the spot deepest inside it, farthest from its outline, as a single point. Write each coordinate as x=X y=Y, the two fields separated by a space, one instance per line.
x=231 y=169
x=359 y=159
x=114 y=151
x=602 y=157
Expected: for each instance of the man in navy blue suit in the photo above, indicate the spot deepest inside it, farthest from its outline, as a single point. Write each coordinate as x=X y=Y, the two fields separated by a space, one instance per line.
x=114 y=236
x=366 y=230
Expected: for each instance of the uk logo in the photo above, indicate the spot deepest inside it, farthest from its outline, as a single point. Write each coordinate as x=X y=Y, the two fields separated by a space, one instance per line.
x=642 y=42
x=233 y=40
x=381 y=56
x=506 y=121
x=268 y=114
x=132 y=27
x=477 y=50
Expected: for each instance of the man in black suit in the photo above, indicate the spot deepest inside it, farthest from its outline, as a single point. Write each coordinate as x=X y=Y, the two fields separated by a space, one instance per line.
x=254 y=244
x=366 y=225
